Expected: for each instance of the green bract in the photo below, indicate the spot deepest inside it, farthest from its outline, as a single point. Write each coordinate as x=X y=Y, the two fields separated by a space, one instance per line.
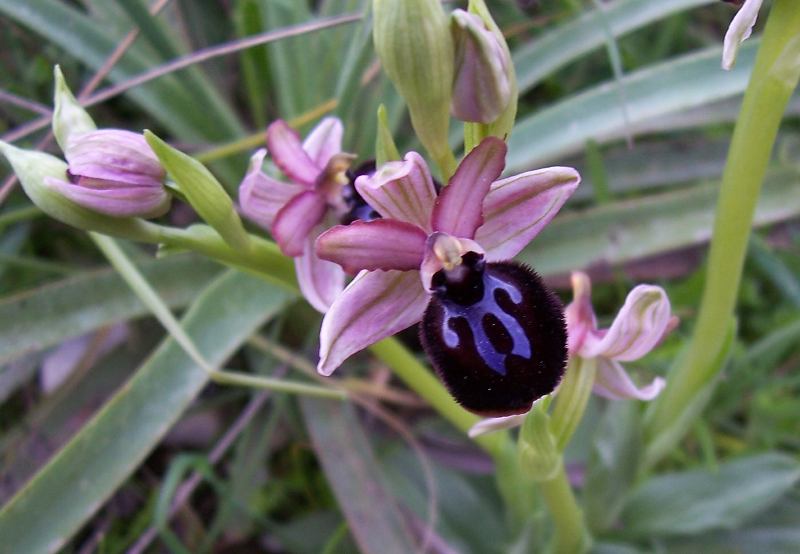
x=413 y=41
x=202 y=190
x=538 y=453
x=69 y=117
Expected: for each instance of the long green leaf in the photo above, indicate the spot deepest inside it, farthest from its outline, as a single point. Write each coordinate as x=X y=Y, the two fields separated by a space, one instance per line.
x=624 y=231
x=354 y=476
x=45 y=316
x=693 y=80
x=69 y=489
x=699 y=500
x=566 y=43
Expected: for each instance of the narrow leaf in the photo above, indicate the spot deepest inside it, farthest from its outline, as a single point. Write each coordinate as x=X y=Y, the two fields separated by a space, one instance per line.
x=700 y=500
x=75 y=484
x=355 y=477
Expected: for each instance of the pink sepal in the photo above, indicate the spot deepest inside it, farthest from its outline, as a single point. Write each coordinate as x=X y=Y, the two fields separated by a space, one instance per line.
x=375 y=305
x=295 y=220
x=401 y=190
x=639 y=326
x=379 y=244
x=324 y=141
x=516 y=209
x=459 y=209
x=260 y=196
x=320 y=280
x=613 y=382
x=288 y=154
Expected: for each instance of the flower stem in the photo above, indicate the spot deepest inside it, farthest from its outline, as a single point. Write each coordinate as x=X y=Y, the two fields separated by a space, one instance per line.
x=417 y=377
x=775 y=76
x=227 y=377
x=572 y=398
x=570 y=535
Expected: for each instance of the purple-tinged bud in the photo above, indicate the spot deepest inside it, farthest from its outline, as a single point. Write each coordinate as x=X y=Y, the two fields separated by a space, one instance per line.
x=115 y=173
x=483 y=84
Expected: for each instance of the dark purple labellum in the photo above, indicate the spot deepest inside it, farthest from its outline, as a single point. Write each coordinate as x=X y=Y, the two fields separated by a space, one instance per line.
x=495 y=335
x=357 y=207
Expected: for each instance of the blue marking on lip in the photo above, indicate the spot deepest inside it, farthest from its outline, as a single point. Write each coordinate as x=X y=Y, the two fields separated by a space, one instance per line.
x=474 y=314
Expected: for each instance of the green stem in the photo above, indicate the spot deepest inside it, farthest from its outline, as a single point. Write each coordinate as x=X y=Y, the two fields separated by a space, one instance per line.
x=773 y=80
x=419 y=378
x=279 y=385
x=446 y=162
x=263 y=258
x=572 y=398
x=570 y=535
x=20 y=214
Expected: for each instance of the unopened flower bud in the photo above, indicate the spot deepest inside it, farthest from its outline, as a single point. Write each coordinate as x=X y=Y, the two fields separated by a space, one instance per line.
x=484 y=63
x=113 y=172
x=415 y=46
x=34 y=170
x=482 y=88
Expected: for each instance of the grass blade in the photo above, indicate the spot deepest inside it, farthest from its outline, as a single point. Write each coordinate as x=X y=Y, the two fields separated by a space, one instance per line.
x=72 y=486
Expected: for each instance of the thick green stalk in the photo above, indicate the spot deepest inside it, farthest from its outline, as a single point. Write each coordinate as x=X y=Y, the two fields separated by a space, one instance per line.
x=406 y=366
x=572 y=398
x=570 y=536
x=774 y=78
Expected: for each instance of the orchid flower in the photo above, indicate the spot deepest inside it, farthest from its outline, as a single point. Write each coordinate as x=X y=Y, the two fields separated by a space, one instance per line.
x=440 y=253
x=113 y=172
x=640 y=326
x=316 y=196
x=739 y=30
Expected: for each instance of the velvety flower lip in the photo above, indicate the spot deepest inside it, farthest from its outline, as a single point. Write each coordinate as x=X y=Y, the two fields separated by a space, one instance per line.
x=398 y=264
x=641 y=324
x=114 y=172
x=739 y=30
x=295 y=212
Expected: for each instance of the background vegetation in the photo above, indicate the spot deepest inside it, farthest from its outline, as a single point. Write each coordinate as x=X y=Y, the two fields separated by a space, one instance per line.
x=628 y=91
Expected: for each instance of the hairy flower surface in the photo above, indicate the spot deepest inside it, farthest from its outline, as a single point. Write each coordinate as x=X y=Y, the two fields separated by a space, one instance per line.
x=739 y=30
x=428 y=247
x=640 y=326
x=296 y=212
x=113 y=172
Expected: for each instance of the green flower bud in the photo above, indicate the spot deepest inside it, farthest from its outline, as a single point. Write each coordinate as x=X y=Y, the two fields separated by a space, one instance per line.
x=69 y=117
x=413 y=41
x=37 y=171
x=202 y=190
x=538 y=452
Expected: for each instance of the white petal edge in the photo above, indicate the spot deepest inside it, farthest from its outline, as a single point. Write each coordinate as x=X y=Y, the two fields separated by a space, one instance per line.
x=614 y=383
x=739 y=30
x=495 y=424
